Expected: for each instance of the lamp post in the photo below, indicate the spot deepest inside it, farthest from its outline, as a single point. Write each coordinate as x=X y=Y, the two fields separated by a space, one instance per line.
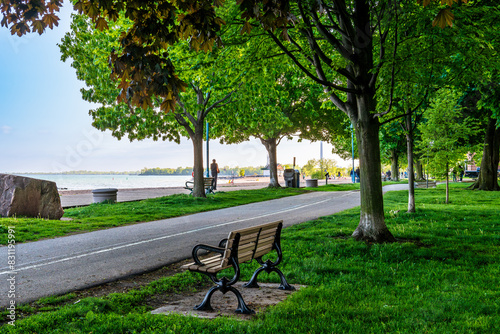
x=208 y=161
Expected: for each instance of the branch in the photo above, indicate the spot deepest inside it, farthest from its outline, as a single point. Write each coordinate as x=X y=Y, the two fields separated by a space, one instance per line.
x=396 y=117
x=221 y=103
x=393 y=77
x=344 y=19
x=306 y=71
x=182 y=121
x=334 y=24
x=329 y=37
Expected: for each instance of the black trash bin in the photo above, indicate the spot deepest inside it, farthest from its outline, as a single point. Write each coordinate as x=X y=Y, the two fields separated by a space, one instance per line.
x=289 y=175
x=297 y=179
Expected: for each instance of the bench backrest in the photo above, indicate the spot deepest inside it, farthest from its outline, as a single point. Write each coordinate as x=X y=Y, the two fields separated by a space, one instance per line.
x=207 y=181
x=252 y=242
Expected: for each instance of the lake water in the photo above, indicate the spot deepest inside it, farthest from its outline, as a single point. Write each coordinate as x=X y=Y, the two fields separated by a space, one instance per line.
x=85 y=182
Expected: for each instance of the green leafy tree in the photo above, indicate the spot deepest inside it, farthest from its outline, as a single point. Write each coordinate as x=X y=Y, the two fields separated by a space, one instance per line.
x=89 y=48
x=317 y=168
x=310 y=167
x=276 y=102
x=341 y=45
x=485 y=101
x=444 y=133
x=392 y=143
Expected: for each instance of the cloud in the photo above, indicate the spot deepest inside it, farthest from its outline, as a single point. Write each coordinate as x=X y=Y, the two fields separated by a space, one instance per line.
x=5 y=129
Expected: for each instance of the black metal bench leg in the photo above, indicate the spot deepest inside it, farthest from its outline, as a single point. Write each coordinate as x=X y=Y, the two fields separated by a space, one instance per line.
x=284 y=284
x=242 y=306
x=205 y=304
x=253 y=281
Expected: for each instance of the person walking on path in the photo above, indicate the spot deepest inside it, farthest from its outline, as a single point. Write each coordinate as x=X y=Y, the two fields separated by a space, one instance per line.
x=214 y=168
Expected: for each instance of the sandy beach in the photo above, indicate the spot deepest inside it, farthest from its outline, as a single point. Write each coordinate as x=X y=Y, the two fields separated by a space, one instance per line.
x=225 y=183
x=72 y=198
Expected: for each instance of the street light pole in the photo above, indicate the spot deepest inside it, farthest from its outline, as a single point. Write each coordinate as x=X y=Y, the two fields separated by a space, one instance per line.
x=208 y=161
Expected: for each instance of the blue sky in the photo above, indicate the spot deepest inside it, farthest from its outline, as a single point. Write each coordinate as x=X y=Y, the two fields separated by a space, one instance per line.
x=45 y=126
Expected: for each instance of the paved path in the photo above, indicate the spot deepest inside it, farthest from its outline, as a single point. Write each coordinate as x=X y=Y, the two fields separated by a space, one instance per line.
x=60 y=265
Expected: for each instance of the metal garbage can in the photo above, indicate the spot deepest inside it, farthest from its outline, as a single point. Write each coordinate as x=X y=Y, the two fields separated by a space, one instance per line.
x=297 y=179
x=289 y=175
x=104 y=195
x=312 y=183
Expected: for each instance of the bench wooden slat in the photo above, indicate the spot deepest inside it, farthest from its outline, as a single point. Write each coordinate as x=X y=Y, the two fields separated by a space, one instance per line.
x=207 y=184
x=262 y=252
x=209 y=269
x=254 y=236
x=207 y=261
x=249 y=230
x=249 y=255
x=251 y=246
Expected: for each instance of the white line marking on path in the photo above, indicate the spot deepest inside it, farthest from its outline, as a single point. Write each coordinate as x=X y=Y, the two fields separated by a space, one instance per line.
x=164 y=237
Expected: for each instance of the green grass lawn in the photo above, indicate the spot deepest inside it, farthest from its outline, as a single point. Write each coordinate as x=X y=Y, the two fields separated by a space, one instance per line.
x=441 y=277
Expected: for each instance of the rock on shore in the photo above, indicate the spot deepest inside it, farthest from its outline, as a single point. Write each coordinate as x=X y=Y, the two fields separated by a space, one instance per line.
x=25 y=196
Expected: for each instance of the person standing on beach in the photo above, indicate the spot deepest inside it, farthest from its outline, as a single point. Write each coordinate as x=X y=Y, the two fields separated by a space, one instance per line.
x=214 y=168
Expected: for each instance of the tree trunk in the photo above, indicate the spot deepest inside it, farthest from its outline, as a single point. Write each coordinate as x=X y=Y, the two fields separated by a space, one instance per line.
x=419 y=169
x=447 y=183
x=394 y=165
x=371 y=226
x=197 y=139
x=411 y=174
x=488 y=175
x=271 y=145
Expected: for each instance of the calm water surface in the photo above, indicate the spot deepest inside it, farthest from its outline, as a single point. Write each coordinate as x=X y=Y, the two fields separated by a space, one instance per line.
x=84 y=182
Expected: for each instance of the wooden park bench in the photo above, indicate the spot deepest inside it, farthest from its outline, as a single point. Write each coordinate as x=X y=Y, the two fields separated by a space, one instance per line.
x=207 y=184
x=240 y=246
x=423 y=184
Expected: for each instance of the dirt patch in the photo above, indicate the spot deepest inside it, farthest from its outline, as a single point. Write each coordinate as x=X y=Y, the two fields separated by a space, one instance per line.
x=225 y=305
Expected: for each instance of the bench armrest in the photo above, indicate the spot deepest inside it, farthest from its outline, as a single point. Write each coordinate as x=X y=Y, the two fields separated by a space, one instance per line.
x=209 y=248
x=223 y=243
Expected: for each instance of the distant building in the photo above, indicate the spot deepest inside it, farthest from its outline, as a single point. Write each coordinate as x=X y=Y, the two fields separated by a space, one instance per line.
x=471 y=164
x=266 y=172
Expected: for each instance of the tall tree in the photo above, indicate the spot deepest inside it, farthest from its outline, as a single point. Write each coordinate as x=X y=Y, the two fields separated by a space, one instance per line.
x=444 y=133
x=342 y=46
x=89 y=49
x=392 y=146
x=275 y=103
x=487 y=102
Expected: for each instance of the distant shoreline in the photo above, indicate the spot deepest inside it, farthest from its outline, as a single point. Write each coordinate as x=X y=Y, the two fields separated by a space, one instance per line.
x=239 y=182
x=225 y=176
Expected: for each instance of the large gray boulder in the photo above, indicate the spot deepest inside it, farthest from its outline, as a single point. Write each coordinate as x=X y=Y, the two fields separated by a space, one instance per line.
x=25 y=196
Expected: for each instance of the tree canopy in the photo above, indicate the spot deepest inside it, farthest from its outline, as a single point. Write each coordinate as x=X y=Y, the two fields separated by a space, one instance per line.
x=344 y=46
